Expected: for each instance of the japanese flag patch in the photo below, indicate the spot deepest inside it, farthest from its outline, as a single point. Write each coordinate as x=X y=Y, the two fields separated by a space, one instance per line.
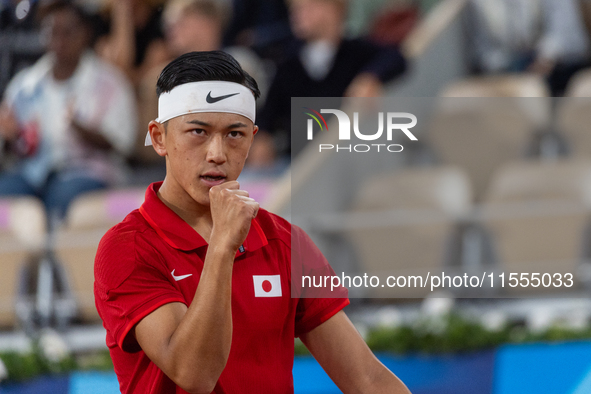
x=267 y=285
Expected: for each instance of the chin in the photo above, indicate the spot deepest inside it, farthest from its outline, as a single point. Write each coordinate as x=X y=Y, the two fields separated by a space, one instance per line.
x=200 y=196
x=203 y=200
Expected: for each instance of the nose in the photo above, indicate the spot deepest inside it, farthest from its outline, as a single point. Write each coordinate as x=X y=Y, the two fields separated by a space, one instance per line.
x=215 y=150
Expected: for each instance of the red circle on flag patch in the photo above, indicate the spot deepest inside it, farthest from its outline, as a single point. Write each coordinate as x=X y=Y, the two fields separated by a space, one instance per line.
x=267 y=286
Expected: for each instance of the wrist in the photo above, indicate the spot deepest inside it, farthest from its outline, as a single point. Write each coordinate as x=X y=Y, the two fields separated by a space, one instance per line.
x=222 y=246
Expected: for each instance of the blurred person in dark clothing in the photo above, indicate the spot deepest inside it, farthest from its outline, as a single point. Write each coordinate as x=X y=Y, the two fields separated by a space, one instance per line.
x=323 y=64
x=262 y=25
x=135 y=41
x=70 y=117
x=189 y=26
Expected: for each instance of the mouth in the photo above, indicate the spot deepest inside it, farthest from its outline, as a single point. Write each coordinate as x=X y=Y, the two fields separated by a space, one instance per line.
x=212 y=179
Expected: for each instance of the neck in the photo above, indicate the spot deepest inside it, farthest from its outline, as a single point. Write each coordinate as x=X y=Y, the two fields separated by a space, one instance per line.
x=196 y=215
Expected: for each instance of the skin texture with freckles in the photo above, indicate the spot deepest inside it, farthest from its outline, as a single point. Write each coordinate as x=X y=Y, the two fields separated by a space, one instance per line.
x=200 y=143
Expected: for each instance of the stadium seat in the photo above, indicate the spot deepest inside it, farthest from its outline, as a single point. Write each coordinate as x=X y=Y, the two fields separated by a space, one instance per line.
x=580 y=84
x=402 y=222
x=537 y=213
x=574 y=114
x=507 y=85
x=76 y=242
x=479 y=135
x=22 y=237
x=573 y=119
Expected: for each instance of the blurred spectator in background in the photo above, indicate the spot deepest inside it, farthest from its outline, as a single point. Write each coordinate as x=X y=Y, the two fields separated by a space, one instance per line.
x=262 y=25
x=70 y=117
x=135 y=42
x=192 y=25
x=323 y=64
x=547 y=37
x=195 y=25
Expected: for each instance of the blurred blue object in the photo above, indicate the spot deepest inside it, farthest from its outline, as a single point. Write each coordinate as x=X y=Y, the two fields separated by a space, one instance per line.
x=584 y=386
x=452 y=374
x=563 y=368
x=444 y=374
x=93 y=383
x=310 y=378
x=543 y=368
x=45 y=385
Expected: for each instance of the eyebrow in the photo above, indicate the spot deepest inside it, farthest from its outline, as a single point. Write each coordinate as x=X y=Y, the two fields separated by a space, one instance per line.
x=237 y=124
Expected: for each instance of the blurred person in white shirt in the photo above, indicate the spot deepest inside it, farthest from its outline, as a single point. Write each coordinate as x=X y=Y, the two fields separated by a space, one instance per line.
x=70 y=117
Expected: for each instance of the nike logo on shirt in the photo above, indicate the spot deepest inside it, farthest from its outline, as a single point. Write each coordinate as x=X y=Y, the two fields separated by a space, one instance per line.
x=180 y=277
x=212 y=100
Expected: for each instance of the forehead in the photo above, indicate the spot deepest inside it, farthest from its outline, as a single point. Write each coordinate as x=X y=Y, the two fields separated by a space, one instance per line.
x=61 y=18
x=212 y=119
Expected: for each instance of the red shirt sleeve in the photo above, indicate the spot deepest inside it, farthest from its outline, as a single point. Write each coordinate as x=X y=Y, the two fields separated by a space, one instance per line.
x=316 y=304
x=130 y=283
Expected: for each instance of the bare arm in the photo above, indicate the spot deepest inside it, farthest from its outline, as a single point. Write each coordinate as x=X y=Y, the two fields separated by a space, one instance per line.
x=192 y=345
x=348 y=361
x=92 y=137
x=119 y=46
x=365 y=85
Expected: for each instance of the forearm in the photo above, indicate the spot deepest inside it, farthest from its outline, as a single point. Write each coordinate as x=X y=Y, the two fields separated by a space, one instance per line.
x=92 y=137
x=121 y=41
x=199 y=348
x=346 y=358
x=192 y=345
x=364 y=374
x=383 y=381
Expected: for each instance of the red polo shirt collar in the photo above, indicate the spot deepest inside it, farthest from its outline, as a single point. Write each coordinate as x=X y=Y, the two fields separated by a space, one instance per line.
x=178 y=234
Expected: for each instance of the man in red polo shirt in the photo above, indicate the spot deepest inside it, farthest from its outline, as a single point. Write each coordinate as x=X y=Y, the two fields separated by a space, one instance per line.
x=194 y=288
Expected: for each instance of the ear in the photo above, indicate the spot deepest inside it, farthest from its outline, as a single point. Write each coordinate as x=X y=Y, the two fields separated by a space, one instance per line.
x=255 y=130
x=158 y=136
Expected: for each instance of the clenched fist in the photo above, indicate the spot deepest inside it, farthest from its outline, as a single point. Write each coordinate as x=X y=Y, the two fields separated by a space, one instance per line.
x=232 y=211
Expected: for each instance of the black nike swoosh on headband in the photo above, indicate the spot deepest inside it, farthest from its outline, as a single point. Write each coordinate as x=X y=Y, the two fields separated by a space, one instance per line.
x=212 y=100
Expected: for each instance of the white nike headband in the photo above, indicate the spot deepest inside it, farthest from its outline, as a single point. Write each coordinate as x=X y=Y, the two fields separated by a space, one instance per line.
x=205 y=96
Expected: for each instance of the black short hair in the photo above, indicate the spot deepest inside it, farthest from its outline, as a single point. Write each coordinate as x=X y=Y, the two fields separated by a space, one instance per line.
x=204 y=66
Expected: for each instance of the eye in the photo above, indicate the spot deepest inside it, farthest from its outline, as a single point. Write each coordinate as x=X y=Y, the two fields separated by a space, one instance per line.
x=235 y=134
x=197 y=131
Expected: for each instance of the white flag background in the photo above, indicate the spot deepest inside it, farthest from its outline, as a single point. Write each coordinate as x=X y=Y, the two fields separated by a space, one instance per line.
x=267 y=285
